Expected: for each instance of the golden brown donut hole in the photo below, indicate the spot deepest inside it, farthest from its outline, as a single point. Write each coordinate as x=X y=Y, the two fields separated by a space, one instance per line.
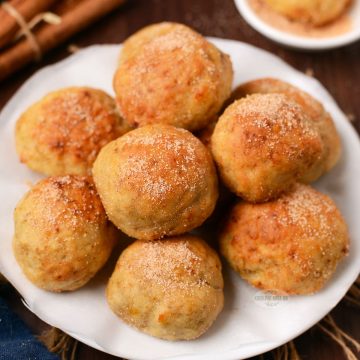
x=63 y=132
x=62 y=235
x=290 y=245
x=314 y=12
x=312 y=108
x=170 y=74
x=263 y=144
x=156 y=181
x=171 y=289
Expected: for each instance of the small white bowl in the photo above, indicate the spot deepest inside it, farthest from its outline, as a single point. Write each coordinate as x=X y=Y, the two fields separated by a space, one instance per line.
x=298 y=41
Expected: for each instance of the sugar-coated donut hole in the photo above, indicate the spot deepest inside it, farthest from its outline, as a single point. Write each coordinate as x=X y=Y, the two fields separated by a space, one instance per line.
x=291 y=245
x=156 y=181
x=63 y=132
x=170 y=74
x=62 y=235
x=171 y=289
x=263 y=144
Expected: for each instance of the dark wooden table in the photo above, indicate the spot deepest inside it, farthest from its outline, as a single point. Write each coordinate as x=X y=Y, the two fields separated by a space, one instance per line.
x=338 y=70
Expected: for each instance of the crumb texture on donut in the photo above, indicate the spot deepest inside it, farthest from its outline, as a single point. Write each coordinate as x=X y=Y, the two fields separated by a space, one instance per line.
x=312 y=108
x=171 y=289
x=263 y=144
x=63 y=132
x=155 y=181
x=170 y=74
x=291 y=245
x=62 y=235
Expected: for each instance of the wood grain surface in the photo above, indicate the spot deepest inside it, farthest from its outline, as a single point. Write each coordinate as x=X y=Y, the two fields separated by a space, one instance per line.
x=338 y=70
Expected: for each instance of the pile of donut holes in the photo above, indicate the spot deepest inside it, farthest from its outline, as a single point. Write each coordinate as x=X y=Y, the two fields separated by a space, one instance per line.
x=155 y=162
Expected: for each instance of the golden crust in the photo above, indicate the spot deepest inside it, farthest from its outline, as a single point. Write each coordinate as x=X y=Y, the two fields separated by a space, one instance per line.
x=171 y=289
x=291 y=245
x=134 y=44
x=62 y=235
x=315 y=12
x=155 y=181
x=263 y=144
x=176 y=77
x=313 y=109
x=64 y=131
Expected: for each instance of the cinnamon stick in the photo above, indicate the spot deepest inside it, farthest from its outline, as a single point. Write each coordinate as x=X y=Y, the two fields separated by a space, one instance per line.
x=75 y=16
x=27 y=9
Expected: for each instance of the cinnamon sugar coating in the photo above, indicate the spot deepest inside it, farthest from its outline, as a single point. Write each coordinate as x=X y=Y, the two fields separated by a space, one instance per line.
x=155 y=181
x=291 y=245
x=134 y=44
x=62 y=235
x=263 y=144
x=171 y=289
x=63 y=132
x=312 y=108
x=170 y=74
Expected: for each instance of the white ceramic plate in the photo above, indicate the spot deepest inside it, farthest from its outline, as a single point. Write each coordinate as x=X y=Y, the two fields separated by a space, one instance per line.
x=297 y=41
x=248 y=325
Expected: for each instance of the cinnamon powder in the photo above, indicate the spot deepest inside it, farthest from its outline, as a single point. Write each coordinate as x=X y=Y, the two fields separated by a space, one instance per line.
x=340 y=26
